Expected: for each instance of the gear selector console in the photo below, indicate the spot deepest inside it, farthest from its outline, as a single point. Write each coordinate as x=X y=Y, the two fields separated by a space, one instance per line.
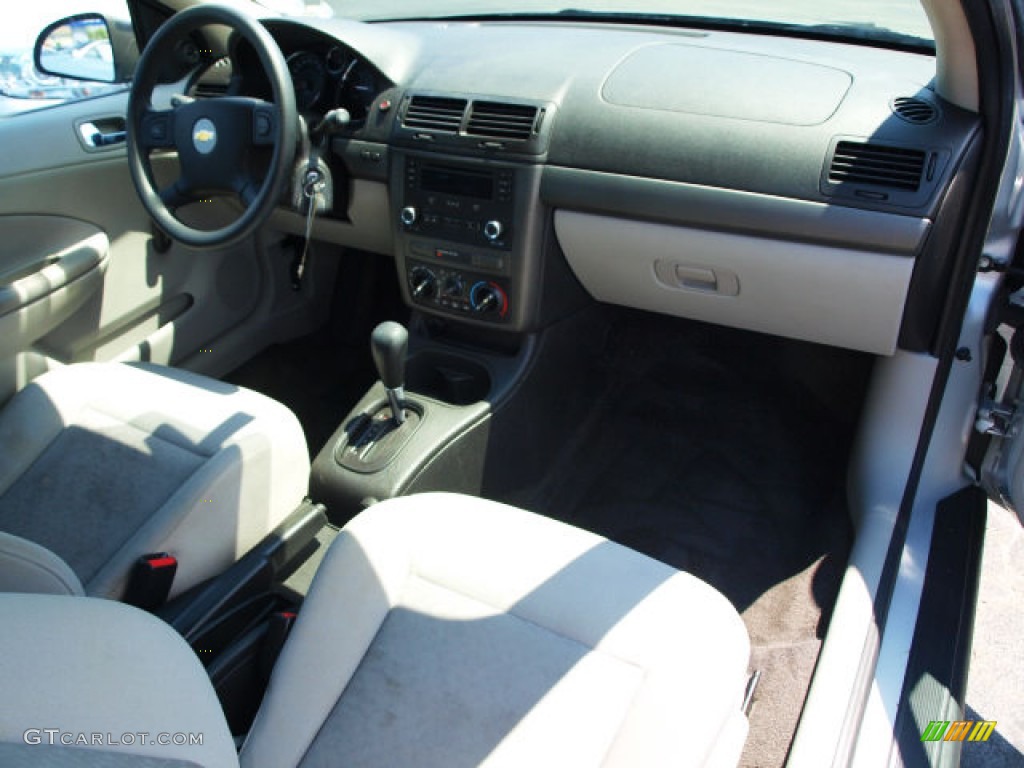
x=395 y=441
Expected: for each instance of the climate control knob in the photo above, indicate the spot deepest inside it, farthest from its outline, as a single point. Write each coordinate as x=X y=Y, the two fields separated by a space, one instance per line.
x=422 y=283
x=409 y=216
x=493 y=229
x=454 y=286
x=488 y=298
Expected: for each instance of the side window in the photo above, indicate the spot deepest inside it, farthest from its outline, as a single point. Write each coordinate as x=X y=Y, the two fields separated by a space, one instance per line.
x=23 y=87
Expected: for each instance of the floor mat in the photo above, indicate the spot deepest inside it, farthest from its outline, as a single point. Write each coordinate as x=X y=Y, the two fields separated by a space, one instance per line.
x=724 y=455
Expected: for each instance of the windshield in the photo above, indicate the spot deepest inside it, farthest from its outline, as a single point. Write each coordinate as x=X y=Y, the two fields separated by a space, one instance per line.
x=886 y=21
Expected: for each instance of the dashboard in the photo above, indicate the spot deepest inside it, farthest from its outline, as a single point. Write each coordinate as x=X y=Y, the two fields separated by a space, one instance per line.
x=782 y=185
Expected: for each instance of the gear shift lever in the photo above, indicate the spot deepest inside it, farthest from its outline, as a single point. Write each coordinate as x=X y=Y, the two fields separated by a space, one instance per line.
x=388 y=344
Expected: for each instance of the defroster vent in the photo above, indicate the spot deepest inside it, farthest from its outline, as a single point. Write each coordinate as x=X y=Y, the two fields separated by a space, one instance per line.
x=498 y=120
x=434 y=113
x=885 y=166
x=914 y=110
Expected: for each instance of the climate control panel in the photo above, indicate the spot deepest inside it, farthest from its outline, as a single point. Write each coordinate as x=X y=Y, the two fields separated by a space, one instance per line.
x=471 y=294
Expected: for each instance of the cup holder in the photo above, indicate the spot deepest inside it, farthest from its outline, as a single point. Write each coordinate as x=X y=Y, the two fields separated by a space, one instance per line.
x=449 y=378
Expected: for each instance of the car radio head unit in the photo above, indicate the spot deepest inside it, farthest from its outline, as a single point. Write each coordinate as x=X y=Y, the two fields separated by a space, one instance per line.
x=459 y=203
x=455 y=181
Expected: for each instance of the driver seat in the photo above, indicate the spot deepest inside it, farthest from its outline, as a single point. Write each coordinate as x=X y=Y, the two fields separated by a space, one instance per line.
x=101 y=463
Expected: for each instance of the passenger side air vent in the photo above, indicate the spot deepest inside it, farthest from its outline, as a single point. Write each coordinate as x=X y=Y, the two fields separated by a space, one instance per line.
x=497 y=120
x=434 y=113
x=914 y=110
x=877 y=164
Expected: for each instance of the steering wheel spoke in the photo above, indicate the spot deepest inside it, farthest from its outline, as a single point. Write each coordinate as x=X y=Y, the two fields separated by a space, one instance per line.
x=177 y=194
x=247 y=189
x=264 y=123
x=156 y=129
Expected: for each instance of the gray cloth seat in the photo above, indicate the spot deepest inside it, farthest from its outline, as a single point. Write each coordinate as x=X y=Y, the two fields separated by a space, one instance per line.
x=443 y=630
x=84 y=673
x=103 y=462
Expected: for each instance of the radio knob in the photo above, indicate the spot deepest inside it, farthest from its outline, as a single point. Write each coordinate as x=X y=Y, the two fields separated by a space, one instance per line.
x=409 y=216
x=422 y=283
x=493 y=230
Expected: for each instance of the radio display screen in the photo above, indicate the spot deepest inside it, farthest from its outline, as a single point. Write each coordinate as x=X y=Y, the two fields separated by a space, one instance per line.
x=450 y=181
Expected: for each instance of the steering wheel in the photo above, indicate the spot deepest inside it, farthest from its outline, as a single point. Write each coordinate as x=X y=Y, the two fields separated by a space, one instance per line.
x=215 y=138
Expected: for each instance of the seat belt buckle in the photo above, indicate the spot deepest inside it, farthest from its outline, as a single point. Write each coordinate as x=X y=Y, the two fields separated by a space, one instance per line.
x=279 y=625
x=150 y=581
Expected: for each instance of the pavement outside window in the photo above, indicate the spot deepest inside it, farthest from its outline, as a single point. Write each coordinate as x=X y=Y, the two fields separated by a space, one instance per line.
x=996 y=676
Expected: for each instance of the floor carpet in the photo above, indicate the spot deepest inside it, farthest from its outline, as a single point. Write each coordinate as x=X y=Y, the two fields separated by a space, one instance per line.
x=317 y=377
x=321 y=376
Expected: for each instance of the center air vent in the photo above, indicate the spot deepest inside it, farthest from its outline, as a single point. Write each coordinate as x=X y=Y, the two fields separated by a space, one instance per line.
x=478 y=126
x=434 y=113
x=877 y=164
x=496 y=120
x=914 y=110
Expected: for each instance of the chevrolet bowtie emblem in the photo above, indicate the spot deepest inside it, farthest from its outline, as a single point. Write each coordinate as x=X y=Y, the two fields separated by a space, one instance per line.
x=204 y=136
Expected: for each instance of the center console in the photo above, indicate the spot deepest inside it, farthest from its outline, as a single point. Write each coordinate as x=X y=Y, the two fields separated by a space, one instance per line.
x=479 y=266
x=432 y=437
x=468 y=235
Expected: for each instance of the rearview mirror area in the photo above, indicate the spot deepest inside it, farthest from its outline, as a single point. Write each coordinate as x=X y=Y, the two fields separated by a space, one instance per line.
x=87 y=46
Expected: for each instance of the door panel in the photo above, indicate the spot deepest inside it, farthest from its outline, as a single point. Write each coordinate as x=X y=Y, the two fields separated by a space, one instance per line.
x=49 y=267
x=163 y=306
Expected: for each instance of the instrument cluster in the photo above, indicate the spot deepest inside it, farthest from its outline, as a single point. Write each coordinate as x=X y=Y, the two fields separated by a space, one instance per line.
x=332 y=77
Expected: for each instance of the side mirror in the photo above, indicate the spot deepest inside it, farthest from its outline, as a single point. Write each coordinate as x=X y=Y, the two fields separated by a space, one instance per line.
x=87 y=47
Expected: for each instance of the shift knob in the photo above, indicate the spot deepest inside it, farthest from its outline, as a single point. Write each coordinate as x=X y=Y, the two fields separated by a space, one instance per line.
x=388 y=344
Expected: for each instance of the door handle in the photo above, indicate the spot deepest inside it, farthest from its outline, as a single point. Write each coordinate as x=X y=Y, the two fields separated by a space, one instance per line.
x=102 y=133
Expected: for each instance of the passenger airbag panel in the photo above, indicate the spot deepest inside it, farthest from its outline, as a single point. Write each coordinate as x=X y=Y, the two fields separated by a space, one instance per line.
x=733 y=84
